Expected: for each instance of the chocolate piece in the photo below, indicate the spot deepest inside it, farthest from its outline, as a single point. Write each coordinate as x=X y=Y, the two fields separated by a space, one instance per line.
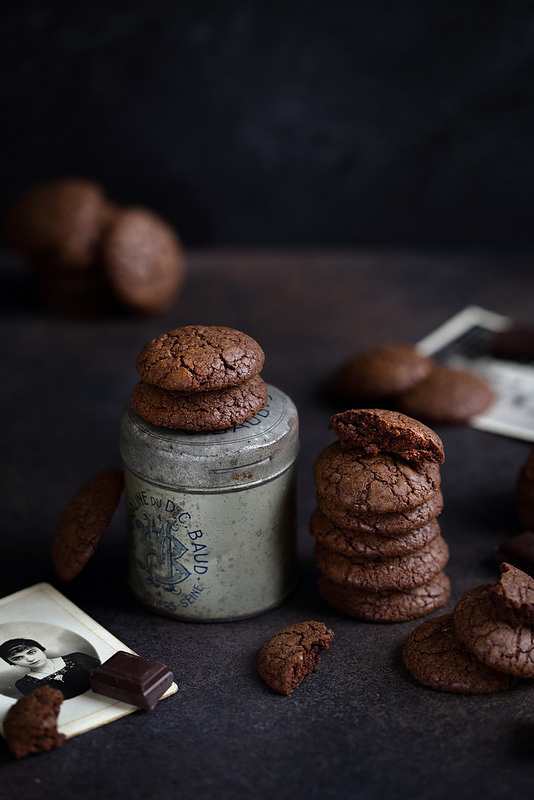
x=131 y=679
x=518 y=551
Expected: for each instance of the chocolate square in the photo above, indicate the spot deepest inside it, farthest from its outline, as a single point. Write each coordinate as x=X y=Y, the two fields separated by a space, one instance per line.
x=131 y=679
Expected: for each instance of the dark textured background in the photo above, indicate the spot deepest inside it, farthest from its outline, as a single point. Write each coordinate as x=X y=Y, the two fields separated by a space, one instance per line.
x=391 y=122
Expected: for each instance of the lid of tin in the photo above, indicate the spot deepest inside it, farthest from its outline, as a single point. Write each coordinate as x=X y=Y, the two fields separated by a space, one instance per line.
x=255 y=451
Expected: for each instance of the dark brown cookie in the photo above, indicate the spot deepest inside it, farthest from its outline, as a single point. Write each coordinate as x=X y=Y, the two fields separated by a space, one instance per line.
x=84 y=521
x=366 y=544
x=58 y=222
x=30 y=725
x=200 y=411
x=519 y=551
x=199 y=358
x=380 y=372
x=386 y=606
x=513 y=596
x=436 y=657
x=382 y=524
x=397 y=573
x=447 y=395
x=381 y=483
x=377 y=430
x=495 y=641
x=143 y=259
x=290 y=655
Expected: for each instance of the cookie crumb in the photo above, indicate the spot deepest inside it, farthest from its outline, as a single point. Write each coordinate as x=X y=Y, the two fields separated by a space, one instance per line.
x=290 y=655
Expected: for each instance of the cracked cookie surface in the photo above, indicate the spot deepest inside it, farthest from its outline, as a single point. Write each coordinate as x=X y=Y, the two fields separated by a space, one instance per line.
x=84 y=521
x=381 y=483
x=200 y=411
x=436 y=657
x=200 y=357
x=377 y=430
x=381 y=574
x=386 y=606
x=382 y=524
x=290 y=655
x=500 y=639
x=366 y=543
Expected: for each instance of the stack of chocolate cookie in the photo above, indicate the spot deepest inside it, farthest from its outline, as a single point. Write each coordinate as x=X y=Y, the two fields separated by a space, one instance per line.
x=200 y=378
x=486 y=645
x=89 y=254
x=379 y=545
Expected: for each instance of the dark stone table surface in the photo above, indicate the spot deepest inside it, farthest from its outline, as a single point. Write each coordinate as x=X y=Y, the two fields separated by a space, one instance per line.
x=360 y=727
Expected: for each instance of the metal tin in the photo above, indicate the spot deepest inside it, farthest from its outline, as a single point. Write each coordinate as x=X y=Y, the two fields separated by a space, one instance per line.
x=211 y=515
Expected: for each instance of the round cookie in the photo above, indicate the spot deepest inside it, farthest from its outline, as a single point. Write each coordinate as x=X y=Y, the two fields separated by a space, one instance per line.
x=200 y=411
x=84 y=521
x=377 y=430
x=397 y=573
x=447 y=395
x=382 y=524
x=199 y=358
x=30 y=725
x=290 y=655
x=143 y=260
x=366 y=544
x=497 y=642
x=58 y=222
x=380 y=483
x=436 y=657
x=380 y=372
x=386 y=606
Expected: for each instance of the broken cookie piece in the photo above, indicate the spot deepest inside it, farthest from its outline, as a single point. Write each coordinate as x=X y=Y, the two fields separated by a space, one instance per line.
x=290 y=655
x=378 y=430
x=30 y=725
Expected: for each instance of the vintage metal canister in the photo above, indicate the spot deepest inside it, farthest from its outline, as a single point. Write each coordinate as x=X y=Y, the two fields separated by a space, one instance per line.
x=211 y=515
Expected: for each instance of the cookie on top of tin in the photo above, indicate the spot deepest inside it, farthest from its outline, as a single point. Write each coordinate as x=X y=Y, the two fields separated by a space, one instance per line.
x=200 y=377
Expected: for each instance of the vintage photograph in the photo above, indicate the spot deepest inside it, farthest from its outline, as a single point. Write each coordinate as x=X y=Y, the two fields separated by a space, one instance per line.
x=45 y=640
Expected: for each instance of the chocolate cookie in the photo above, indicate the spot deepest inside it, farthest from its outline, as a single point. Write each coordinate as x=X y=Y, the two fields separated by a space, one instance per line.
x=30 y=725
x=393 y=606
x=397 y=573
x=143 y=260
x=377 y=430
x=290 y=655
x=496 y=641
x=381 y=483
x=84 y=521
x=58 y=222
x=382 y=524
x=380 y=372
x=198 y=358
x=200 y=411
x=366 y=544
x=513 y=596
x=436 y=657
x=447 y=395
